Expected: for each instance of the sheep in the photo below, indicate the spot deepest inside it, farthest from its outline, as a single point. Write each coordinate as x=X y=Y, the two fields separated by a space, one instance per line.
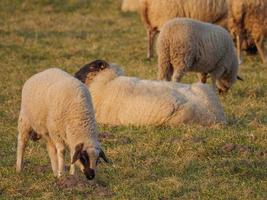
x=155 y=13
x=130 y=5
x=248 y=18
x=122 y=100
x=58 y=107
x=190 y=45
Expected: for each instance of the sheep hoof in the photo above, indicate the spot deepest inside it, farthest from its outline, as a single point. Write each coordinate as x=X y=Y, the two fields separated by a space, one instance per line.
x=18 y=170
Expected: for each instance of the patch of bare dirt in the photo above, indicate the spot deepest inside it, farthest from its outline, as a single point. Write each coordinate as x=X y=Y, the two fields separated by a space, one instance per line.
x=199 y=139
x=262 y=154
x=230 y=147
x=102 y=191
x=74 y=182
x=69 y=182
x=43 y=169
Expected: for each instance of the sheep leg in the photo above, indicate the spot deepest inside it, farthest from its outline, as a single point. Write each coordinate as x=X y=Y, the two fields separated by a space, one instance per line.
x=202 y=77
x=165 y=72
x=261 y=50
x=23 y=137
x=52 y=152
x=60 y=157
x=72 y=169
x=72 y=166
x=238 y=46
x=178 y=74
x=151 y=33
x=215 y=75
x=213 y=81
x=165 y=68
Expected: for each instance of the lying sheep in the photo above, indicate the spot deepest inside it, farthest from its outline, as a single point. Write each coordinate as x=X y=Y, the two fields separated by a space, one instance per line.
x=130 y=5
x=155 y=13
x=190 y=45
x=248 y=18
x=58 y=107
x=122 y=100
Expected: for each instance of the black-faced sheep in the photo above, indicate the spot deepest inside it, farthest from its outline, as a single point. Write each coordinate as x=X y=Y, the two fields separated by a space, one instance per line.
x=122 y=100
x=58 y=107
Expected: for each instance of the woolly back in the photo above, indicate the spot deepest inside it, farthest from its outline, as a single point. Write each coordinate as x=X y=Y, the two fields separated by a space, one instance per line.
x=60 y=101
x=123 y=100
x=156 y=12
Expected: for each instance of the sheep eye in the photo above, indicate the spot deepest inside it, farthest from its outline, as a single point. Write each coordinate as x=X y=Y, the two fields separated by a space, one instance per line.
x=84 y=158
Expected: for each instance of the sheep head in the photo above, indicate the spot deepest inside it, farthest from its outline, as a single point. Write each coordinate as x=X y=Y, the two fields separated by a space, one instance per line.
x=88 y=72
x=88 y=159
x=225 y=83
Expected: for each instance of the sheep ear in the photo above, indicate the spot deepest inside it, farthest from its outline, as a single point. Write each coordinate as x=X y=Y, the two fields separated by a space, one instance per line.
x=239 y=78
x=103 y=156
x=77 y=154
x=99 y=64
x=94 y=66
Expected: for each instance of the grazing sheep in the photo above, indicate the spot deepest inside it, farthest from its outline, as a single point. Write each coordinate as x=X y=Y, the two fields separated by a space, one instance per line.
x=58 y=107
x=130 y=5
x=122 y=100
x=155 y=13
x=248 y=18
x=189 y=45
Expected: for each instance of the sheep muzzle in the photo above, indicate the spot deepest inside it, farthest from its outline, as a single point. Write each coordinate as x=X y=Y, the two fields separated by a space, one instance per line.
x=89 y=173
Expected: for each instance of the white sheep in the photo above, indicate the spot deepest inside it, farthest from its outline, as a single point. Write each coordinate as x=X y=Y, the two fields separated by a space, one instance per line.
x=155 y=13
x=58 y=107
x=190 y=45
x=122 y=100
x=130 y=5
x=248 y=19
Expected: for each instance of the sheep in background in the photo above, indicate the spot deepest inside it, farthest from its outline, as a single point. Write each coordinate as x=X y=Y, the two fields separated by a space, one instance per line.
x=130 y=5
x=190 y=45
x=155 y=13
x=58 y=107
x=122 y=100
x=248 y=18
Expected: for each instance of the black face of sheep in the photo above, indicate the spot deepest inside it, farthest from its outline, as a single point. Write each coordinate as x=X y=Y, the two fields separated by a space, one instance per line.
x=224 y=85
x=89 y=159
x=88 y=71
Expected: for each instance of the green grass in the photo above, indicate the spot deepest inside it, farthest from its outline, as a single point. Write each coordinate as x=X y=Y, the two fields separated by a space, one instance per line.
x=187 y=162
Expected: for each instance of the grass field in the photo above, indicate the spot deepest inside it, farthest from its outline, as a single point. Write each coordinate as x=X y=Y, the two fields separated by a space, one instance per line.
x=187 y=162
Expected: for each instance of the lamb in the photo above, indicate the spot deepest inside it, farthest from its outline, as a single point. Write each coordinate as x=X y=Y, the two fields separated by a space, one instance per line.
x=122 y=100
x=130 y=5
x=58 y=107
x=248 y=18
x=190 y=45
x=155 y=13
